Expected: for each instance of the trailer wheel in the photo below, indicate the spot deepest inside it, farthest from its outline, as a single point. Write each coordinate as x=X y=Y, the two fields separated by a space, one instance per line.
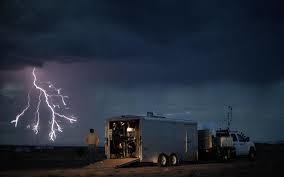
x=163 y=160
x=173 y=160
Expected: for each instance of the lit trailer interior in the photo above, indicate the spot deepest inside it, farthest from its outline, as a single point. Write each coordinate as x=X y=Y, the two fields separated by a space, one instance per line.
x=151 y=139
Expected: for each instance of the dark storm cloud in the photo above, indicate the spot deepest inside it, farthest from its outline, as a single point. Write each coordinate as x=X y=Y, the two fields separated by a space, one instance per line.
x=182 y=41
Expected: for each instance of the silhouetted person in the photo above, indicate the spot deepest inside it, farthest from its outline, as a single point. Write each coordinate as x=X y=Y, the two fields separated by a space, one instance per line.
x=92 y=140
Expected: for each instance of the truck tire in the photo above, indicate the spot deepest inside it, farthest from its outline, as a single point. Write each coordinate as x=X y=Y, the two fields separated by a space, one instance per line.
x=252 y=154
x=163 y=160
x=226 y=156
x=173 y=160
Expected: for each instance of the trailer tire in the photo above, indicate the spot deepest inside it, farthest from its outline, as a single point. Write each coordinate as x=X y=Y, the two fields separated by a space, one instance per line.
x=173 y=160
x=163 y=160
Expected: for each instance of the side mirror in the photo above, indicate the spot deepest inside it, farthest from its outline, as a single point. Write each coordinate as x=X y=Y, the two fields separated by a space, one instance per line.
x=247 y=139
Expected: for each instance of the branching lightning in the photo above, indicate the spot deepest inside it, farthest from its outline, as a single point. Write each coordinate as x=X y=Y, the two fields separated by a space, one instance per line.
x=23 y=112
x=48 y=97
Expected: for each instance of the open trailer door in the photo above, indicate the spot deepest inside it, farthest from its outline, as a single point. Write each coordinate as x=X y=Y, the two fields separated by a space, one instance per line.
x=114 y=163
x=107 y=141
x=126 y=162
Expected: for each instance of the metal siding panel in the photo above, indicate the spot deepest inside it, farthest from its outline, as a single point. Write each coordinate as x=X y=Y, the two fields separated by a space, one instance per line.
x=162 y=137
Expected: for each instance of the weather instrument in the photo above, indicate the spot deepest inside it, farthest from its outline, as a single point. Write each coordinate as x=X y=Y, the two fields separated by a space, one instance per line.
x=54 y=100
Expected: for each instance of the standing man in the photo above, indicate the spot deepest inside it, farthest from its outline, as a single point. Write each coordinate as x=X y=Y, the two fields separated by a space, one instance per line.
x=92 y=140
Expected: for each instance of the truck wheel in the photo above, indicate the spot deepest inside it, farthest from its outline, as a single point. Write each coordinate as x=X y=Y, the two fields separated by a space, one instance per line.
x=173 y=160
x=226 y=155
x=163 y=160
x=252 y=154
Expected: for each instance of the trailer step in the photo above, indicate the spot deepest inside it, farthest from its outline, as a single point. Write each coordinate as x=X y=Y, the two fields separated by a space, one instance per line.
x=114 y=163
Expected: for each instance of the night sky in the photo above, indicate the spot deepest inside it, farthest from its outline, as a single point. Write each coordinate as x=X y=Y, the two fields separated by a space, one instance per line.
x=179 y=58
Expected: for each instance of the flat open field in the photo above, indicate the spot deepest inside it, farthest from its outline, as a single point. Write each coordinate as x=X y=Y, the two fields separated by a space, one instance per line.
x=70 y=162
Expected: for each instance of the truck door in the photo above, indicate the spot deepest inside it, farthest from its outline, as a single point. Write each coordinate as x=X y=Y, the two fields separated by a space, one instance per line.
x=242 y=145
x=236 y=143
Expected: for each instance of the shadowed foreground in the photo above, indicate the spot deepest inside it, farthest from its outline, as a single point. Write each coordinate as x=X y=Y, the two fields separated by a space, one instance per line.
x=268 y=163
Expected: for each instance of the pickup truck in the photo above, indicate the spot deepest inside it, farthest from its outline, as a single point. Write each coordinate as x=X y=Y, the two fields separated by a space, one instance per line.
x=243 y=145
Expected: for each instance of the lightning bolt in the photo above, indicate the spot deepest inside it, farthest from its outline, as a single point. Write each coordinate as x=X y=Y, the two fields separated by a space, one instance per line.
x=23 y=112
x=35 y=127
x=54 y=125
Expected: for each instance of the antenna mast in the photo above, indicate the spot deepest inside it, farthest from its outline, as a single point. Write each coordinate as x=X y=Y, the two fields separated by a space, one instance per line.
x=229 y=116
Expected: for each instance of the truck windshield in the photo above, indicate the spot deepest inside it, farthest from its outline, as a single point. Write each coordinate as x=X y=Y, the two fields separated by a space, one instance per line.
x=234 y=137
x=241 y=138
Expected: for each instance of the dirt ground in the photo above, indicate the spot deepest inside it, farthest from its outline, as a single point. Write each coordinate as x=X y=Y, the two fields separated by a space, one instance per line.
x=269 y=163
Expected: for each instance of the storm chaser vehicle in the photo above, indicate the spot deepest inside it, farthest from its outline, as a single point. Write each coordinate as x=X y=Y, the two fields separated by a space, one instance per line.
x=224 y=145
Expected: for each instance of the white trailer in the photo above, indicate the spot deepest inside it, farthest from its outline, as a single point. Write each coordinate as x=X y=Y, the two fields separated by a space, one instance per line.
x=151 y=139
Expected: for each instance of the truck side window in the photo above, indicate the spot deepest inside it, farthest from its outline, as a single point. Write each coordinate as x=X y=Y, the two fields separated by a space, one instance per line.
x=241 y=138
x=234 y=137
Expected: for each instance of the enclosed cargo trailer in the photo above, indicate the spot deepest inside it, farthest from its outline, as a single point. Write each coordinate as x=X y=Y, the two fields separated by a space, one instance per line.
x=151 y=139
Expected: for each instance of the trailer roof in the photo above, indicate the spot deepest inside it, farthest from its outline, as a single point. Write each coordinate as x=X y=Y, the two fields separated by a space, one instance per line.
x=160 y=118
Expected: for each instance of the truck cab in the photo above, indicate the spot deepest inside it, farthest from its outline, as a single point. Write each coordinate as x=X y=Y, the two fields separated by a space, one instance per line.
x=243 y=145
